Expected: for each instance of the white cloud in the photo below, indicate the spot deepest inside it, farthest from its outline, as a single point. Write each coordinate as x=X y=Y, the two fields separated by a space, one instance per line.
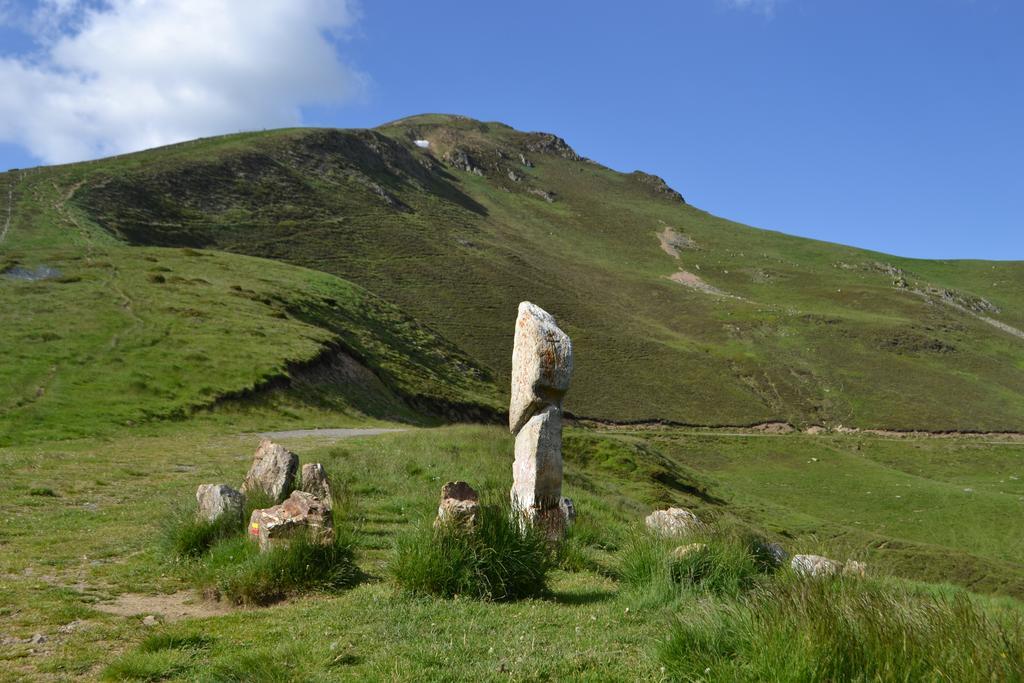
x=765 y=7
x=133 y=74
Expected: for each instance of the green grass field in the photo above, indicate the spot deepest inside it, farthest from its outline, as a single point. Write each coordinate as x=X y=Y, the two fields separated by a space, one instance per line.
x=83 y=522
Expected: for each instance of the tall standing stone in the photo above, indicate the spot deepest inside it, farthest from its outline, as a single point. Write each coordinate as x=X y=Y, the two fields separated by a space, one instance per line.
x=541 y=372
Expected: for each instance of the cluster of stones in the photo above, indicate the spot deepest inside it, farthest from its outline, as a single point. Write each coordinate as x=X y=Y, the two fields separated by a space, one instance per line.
x=307 y=510
x=679 y=523
x=541 y=372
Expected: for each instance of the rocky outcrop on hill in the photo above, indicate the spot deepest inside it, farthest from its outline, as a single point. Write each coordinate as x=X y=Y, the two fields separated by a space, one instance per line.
x=657 y=184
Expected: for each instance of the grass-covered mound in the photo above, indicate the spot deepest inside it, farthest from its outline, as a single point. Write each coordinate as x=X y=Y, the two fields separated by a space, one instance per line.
x=496 y=559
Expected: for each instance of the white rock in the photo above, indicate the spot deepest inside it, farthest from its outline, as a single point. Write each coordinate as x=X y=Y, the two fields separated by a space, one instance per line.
x=673 y=522
x=219 y=499
x=815 y=565
x=541 y=365
x=272 y=471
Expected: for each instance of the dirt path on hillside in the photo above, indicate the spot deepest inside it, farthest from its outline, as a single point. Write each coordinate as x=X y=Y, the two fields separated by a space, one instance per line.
x=776 y=429
x=328 y=433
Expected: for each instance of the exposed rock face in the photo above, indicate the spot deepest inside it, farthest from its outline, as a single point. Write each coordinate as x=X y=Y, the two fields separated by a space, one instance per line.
x=659 y=185
x=541 y=365
x=673 y=522
x=314 y=481
x=272 y=471
x=815 y=566
x=546 y=143
x=302 y=513
x=216 y=500
x=460 y=504
x=541 y=372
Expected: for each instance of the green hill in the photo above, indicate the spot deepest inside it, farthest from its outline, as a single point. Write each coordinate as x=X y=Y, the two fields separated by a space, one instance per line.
x=677 y=315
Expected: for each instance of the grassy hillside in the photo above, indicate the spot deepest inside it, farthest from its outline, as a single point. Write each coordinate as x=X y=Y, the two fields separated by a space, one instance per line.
x=676 y=314
x=109 y=337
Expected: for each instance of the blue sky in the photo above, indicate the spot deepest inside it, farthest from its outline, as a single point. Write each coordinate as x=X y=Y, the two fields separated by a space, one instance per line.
x=895 y=125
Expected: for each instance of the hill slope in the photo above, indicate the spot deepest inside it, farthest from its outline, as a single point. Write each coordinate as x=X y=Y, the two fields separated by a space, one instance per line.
x=676 y=314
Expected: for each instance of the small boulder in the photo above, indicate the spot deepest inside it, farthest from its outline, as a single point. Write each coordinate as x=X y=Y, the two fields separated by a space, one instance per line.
x=673 y=522
x=302 y=512
x=272 y=471
x=314 y=481
x=216 y=500
x=460 y=504
x=815 y=566
x=684 y=550
x=777 y=554
x=568 y=509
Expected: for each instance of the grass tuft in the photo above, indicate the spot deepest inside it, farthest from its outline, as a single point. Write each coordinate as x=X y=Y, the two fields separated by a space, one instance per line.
x=497 y=560
x=238 y=572
x=843 y=630
x=728 y=564
x=187 y=536
x=42 y=491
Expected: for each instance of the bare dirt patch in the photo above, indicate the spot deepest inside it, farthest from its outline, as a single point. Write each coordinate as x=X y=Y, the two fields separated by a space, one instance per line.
x=170 y=606
x=672 y=242
x=688 y=279
x=773 y=428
